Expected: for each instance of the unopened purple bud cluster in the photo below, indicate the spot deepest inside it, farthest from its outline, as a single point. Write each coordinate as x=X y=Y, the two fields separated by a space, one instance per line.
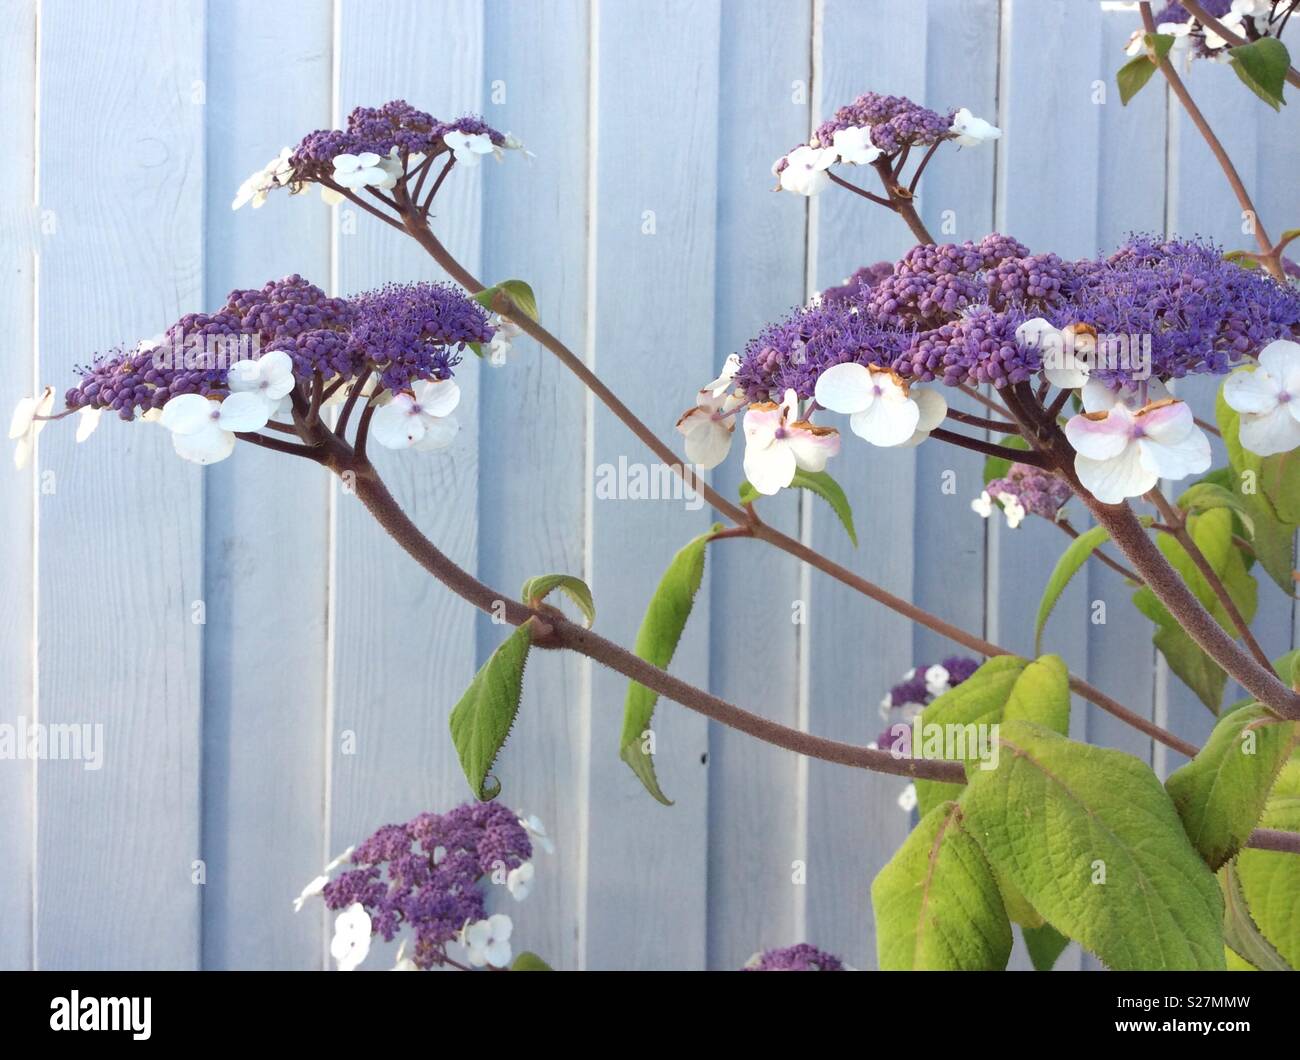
x=949 y=313
x=801 y=958
x=896 y=122
x=1038 y=492
x=426 y=875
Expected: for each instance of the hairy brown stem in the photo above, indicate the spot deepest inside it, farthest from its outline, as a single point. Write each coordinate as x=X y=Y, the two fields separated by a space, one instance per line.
x=837 y=179
x=1113 y=564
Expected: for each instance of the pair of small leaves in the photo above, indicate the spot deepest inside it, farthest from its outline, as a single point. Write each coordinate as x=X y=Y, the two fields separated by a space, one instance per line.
x=825 y=487
x=1086 y=836
x=656 y=642
x=481 y=721
x=1135 y=73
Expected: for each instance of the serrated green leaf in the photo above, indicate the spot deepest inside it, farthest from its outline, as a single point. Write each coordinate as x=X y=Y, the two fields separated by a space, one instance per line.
x=976 y=701
x=936 y=904
x=1262 y=67
x=998 y=466
x=1236 y=962
x=1279 y=481
x=1204 y=496
x=536 y=590
x=1270 y=879
x=825 y=487
x=1240 y=933
x=1041 y=694
x=656 y=641
x=1045 y=945
x=482 y=719
x=1072 y=559
x=1220 y=794
x=518 y=292
x=530 y=962
x=1134 y=75
x=1059 y=817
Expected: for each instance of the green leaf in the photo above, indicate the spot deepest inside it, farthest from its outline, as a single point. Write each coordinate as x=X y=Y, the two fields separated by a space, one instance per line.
x=1045 y=944
x=536 y=590
x=1242 y=258
x=517 y=291
x=936 y=903
x=656 y=641
x=1041 y=694
x=1091 y=840
x=1220 y=794
x=1072 y=559
x=998 y=466
x=1262 y=67
x=1204 y=496
x=1270 y=879
x=820 y=483
x=530 y=962
x=482 y=719
x=1240 y=932
x=1279 y=481
x=976 y=701
x=1133 y=75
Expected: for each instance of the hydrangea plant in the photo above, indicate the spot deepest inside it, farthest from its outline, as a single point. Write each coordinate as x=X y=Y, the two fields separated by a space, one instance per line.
x=1064 y=374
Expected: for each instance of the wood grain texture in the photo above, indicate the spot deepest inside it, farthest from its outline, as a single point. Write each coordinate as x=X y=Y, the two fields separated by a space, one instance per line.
x=656 y=84
x=532 y=428
x=19 y=232
x=267 y=519
x=121 y=173
x=754 y=789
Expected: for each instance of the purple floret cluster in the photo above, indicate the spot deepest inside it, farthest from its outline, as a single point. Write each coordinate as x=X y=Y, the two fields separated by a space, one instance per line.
x=379 y=130
x=404 y=332
x=801 y=958
x=949 y=313
x=426 y=875
x=896 y=122
x=917 y=690
x=1037 y=491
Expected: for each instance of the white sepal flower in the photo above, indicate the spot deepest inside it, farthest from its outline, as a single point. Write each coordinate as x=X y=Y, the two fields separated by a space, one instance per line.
x=310 y=891
x=358 y=171
x=853 y=145
x=1012 y=509
x=340 y=860
x=1098 y=397
x=351 y=941
x=27 y=423
x=708 y=426
x=469 y=148
x=519 y=881
x=404 y=963
x=972 y=131
x=805 y=170
x=1268 y=399
x=502 y=340
x=1230 y=21
x=907 y=800
x=877 y=402
x=87 y=421
x=777 y=445
x=275 y=174
x=532 y=824
x=1121 y=453
x=488 y=941
x=722 y=384
x=203 y=429
x=1067 y=353
x=269 y=376
x=933 y=410
x=421 y=419
x=982 y=505
x=937 y=680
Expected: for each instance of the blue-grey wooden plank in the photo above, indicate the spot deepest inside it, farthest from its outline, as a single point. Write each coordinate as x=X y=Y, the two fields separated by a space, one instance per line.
x=18 y=233
x=403 y=646
x=267 y=526
x=857 y=649
x=121 y=170
x=754 y=789
x=532 y=432
x=655 y=71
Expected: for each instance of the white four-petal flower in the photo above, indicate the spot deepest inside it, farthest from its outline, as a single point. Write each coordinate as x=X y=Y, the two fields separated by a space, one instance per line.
x=805 y=170
x=351 y=941
x=532 y=824
x=777 y=444
x=1121 y=453
x=853 y=145
x=488 y=941
x=421 y=419
x=203 y=429
x=907 y=800
x=972 y=131
x=469 y=148
x=880 y=406
x=708 y=426
x=364 y=170
x=1268 y=399
x=519 y=881
x=269 y=376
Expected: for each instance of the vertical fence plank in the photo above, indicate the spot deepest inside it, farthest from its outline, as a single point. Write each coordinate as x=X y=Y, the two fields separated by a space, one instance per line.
x=403 y=647
x=532 y=434
x=264 y=641
x=856 y=649
x=18 y=230
x=121 y=176
x=755 y=809
x=656 y=77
